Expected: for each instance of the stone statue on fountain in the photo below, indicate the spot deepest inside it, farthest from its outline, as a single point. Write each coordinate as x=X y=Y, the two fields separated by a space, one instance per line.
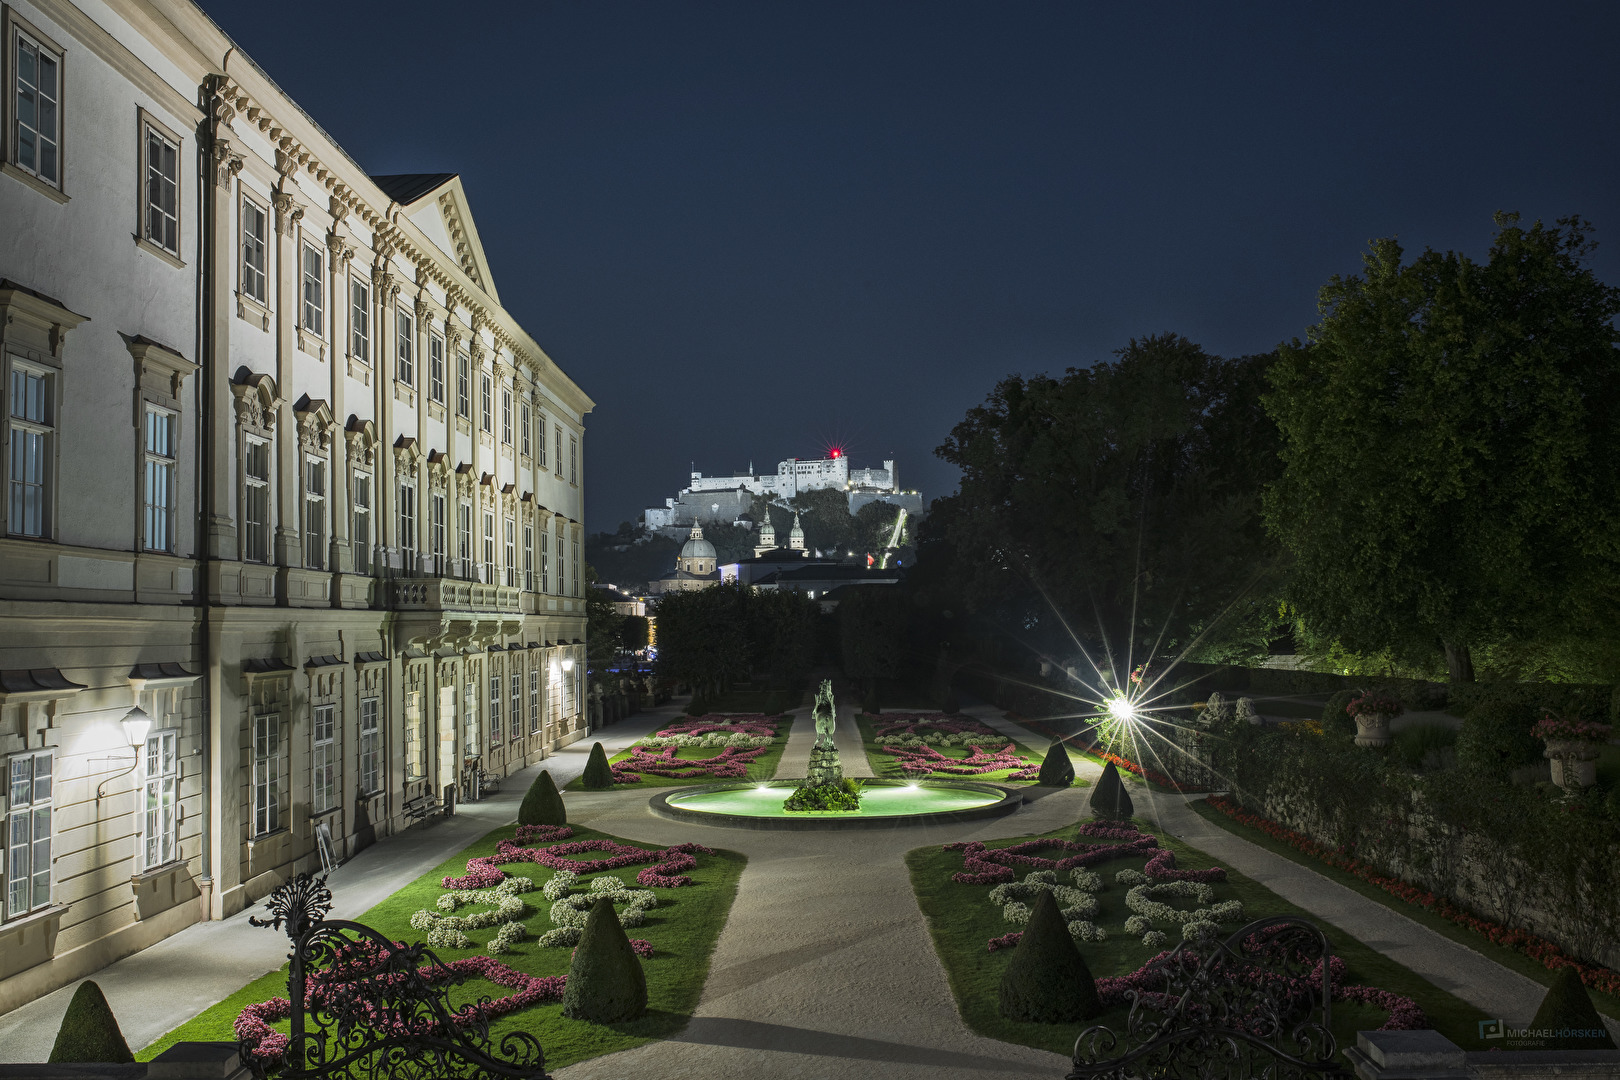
x=824 y=786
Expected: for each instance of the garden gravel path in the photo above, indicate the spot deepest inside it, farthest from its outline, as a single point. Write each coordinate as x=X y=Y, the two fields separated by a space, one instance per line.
x=154 y=990
x=1477 y=979
x=825 y=968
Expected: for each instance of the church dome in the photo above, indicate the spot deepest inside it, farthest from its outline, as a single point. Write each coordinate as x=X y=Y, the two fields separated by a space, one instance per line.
x=697 y=547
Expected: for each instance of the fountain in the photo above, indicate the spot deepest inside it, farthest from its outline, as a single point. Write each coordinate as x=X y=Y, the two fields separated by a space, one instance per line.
x=826 y=799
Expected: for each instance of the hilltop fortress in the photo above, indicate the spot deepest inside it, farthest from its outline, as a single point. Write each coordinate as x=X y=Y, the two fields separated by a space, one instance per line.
x=726 y=498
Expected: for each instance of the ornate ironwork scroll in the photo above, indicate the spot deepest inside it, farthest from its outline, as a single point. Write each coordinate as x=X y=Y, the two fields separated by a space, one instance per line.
x=1257 y=1005
x=367 y=1008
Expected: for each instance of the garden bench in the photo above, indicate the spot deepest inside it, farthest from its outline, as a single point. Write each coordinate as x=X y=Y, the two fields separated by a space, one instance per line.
x=422 y=807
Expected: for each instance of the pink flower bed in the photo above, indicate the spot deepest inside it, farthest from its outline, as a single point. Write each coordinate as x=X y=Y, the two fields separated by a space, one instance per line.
x=267 y=1045
x=748 y=724
x=668 y=873
x=1150 y=983
x=910 y=724
x=926 y=761
x=990 y=866
x=729 y=764
x=640 y=948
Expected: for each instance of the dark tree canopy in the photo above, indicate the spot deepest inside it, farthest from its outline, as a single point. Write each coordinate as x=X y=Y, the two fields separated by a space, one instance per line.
x=1127 y=493
x=712 y=637
x=1448 y=438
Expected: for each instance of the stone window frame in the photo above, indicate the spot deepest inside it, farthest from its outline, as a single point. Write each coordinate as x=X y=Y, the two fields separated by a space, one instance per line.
x=257 y=406
x=534 y=696
x=497 y=689
x=405 y=324
x=143 y=806
x=362 y=320
x=436 y=368
x=15 y=28
x=33 y=333
x=147 y=126
x=370 y=742
x=246 y=301
x=472 y=740
x=324 y=756
x=29 y=810
x=148 y=459
x=267 y=815
x=160 y=376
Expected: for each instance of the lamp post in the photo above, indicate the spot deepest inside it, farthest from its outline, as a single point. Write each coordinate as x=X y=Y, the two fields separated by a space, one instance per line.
x=136 y=723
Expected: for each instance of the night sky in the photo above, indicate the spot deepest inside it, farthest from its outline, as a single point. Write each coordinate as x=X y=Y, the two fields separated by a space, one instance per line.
x=750 y=231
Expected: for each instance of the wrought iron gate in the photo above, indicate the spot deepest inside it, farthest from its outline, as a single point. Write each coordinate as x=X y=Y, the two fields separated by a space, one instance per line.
x=1257 y=1005
x=367 y=1008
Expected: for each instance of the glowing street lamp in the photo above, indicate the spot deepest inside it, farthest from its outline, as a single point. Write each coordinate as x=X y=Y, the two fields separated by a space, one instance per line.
x=1122 y=709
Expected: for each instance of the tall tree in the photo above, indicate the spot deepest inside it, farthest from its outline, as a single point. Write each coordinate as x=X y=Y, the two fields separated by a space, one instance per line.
x=1122 y=498
x=1449 y=432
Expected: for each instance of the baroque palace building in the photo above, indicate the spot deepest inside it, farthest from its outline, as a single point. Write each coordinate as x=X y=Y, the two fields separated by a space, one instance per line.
x=292 y=519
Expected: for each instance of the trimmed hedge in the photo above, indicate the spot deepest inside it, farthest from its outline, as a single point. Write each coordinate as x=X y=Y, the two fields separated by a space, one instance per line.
x=89 y=1031
x=543 y=803
x=1109 y=798
x=606 y=984
x=598 y=776
x=1568 y=1006
x=1056 y=768
x=1047 y=980
x=1496 y=736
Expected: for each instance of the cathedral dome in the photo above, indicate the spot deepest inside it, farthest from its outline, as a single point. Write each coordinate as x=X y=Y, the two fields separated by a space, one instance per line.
x=697 y=547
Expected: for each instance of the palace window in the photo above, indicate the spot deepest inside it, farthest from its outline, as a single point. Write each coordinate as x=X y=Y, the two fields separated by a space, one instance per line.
x=28 y=833
x=545 y=561
x=514 y=682
x=267 y=779
x=463 y=386
x=464 y=539
x=489 y=547
x=506 y=416
x=159 y=481
x=469 y=726
x=574 y=565
x=359 y=321
x=323 y=788
x=314 y=513
x=256 y=500
x=524 y=424
x=573 y=459
x=494 y=710
x=160 y=170
x=540 y=439
x=436 y=531
x=362 y=523
x=559 y=451
x=534 y=697
x=415 y=737
x=509 y=552
x=562 y=577
x=160 y=776
x=486 y=401
x=407 y=525
x=255 y=250
x=370 y=748
x=405 y=349
x=436 y=368
x=314 y=282
x=30 y=445
x=36 y=109
x=528 y=557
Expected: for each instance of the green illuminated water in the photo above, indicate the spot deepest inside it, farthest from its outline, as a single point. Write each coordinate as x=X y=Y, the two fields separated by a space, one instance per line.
x=875 y=801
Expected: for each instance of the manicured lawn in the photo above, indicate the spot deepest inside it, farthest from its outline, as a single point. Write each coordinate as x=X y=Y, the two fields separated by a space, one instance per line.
x=961 y=920
x=682 y=929
x=761 y=768
x=1511 y=959
x=888 y=765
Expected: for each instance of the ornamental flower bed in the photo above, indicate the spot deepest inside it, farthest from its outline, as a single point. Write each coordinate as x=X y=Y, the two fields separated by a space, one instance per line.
x=1372 y=704
x=486 y=873
x=748 y=724
x=889 y=724
x=266 y=1045
x=1537 y=948
x=926 y=761
x=728 y=764
x=1552 y=727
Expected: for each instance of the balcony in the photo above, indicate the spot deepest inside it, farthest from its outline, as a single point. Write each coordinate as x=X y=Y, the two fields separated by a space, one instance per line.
x=435 y=612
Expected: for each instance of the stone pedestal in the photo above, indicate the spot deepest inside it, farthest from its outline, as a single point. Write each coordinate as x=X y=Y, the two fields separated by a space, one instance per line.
x=1372 y=729
x=824 y=767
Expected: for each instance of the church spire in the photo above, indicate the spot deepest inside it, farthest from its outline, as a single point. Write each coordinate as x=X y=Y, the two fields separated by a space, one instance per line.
x=796 y=535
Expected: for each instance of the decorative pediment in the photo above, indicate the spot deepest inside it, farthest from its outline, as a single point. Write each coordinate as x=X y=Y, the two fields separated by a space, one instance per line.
x=159 y=370
x=315 y=425
x=406 y=454
x=438 y=470
x=36 y=325
x=360 y=437
x=256 y=401
x=465 y=480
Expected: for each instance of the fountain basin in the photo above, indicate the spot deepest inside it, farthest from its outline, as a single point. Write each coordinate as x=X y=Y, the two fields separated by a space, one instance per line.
x=884 y=804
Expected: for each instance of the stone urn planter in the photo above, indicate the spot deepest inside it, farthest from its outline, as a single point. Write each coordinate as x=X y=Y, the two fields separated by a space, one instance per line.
x=1574 y=762
x=1372 y=712
x=1572 y=747
x=1372 y=729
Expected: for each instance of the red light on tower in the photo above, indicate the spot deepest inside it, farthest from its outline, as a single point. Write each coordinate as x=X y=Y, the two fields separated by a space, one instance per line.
x=836 y=452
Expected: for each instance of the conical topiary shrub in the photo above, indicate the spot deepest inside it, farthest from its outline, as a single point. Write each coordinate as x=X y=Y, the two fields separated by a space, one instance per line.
x=605 y=981
x=1056 y=768
x=598 y=775
x=1568 y=1007
x=1109 y=798
x=89 y=1031
x=1047 y=980
x=543 y=803
x=952 y=704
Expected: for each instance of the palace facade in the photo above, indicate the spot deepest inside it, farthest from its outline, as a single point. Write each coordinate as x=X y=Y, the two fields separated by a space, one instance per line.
x=292 y=520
